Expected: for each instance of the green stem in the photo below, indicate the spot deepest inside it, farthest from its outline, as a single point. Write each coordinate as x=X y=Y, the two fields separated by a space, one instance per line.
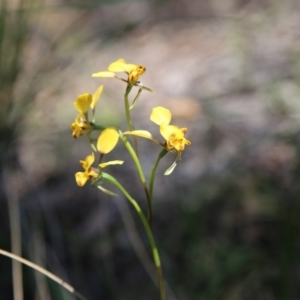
x=97 y=127
x=150 y=236
x=128 y=117
x=140 y=172
x=162 y=153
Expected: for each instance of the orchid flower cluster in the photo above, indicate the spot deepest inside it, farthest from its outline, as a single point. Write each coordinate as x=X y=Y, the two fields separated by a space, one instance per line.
x=85 y=125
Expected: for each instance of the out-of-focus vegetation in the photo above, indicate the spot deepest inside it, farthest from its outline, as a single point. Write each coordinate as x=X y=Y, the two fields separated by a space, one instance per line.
x=227 y=219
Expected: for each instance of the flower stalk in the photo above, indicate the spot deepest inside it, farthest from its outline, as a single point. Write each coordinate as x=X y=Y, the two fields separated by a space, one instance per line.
x=140 y=173
x=128 y=116
x=162 y=153
x=148 y=230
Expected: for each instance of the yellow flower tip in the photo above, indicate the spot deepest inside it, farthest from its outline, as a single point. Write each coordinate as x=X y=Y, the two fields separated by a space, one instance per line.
x=96 y=96
x=88 y=161
x=160 y=115
x=107 y=140
x=141 y=69
x=83 y=102
x=134 y=75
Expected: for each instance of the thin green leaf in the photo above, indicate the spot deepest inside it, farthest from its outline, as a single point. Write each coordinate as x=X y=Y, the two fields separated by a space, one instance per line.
x=173 y=166
x=104 y=190
x=134 y=102
x=171 y=169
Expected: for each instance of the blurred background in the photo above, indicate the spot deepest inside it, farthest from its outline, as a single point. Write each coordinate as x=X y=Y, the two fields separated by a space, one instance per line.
x=226 y=220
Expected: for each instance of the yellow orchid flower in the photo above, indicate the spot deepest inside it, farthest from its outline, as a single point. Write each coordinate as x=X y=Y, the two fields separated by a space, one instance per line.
x=80 y=126
x=107 y=140
x=82 y=104
x=134 y=71
x=173 y=135
x=89 y=172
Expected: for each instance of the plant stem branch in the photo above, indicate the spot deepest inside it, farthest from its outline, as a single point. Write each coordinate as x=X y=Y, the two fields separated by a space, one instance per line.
x=128 y=117
x=162 y=153
x=148 y=230
x=140 y=172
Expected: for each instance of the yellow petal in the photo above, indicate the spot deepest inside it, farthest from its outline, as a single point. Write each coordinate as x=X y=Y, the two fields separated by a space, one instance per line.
x=130 y=68
x=160 y=115
x=96 y=96
x=83 y=102
x=107 y=140
x=86 y=164
x=141 y=133
x=80 y=119
x=81 y=178
x=117 y=66
x=120 y=65
x=109 y=163
x=167 y=131
x=103 y=74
